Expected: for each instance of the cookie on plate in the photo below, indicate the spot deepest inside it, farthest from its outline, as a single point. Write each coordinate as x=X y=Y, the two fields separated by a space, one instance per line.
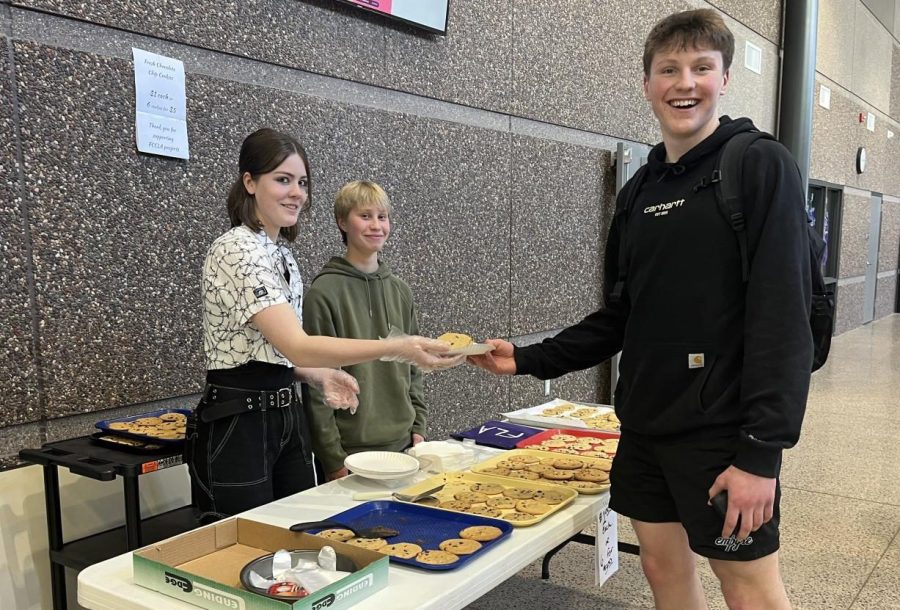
x=518 y=493
x=456 y=340
x=437 y=558
x=549 y=496
x=481 y=533
x=341 y=535
x=532 y=507
x=373 y=544
x=490 y=489
x=460 y=546
x=403 y=550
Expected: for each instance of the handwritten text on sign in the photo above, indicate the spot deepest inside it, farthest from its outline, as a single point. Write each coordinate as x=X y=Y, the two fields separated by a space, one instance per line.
x=607 y=547
x=160 y=105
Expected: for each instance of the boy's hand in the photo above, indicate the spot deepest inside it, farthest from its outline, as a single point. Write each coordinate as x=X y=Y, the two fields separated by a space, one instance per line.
x=416 y=439
x=500 y=361
x=337 y=474
x=750 y=498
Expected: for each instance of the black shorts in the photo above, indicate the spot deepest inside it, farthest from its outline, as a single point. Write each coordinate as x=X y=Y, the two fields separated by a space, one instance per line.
x=667 y=480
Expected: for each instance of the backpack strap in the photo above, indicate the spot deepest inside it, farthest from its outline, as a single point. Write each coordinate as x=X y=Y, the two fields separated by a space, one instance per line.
x=727 y=179
x=624 y=204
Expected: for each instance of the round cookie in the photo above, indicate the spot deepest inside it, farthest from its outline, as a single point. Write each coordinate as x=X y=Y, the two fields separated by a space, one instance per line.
x=532 y=507
x=601 y=464
x=523 y=459
x=341 y=535
x=148 y=421
x=556 y=474
x=586 y=485
x=437 y=558
x=403 y=550
x=491 y=489
x=373 y=544
x=472 y=497
x=119 y=425
x=524 y=474
x=460 y=546
x=517 y=516
x=564 y=437
x=594 y=475
x=481 y=533
x=455 y=505
x=549 y=496
x=502 y=503
x=497 y=470
x=518 y=493
x=176 y=417
x=511 y=465
x=568 y=463
x=485 y=511
x=456 y=340
x=554 y=443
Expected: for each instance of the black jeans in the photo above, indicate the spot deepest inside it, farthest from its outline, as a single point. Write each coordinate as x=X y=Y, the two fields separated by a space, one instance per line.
x=243 y=461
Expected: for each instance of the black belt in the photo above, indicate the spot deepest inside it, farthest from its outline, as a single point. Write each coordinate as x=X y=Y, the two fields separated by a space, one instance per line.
x=225 y=402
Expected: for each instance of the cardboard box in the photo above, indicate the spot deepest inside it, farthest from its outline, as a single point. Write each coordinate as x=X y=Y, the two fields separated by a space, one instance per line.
x=203 y=567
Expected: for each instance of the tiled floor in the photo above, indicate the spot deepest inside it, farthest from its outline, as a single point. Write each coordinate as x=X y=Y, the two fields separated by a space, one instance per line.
x=840 y=509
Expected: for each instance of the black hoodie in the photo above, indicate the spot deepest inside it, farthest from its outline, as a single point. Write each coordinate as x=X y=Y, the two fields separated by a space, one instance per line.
x=702 y=353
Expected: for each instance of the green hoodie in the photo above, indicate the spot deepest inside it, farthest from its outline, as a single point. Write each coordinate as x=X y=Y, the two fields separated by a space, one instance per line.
x=345 y=302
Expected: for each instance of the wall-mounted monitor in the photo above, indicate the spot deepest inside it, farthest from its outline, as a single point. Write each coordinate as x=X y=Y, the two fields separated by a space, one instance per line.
x=428 y=14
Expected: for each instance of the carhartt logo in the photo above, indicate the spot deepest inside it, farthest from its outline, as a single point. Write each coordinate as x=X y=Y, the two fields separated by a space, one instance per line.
x=696 y=361
x=731 y=544
x=661 y=209
x=260 y=292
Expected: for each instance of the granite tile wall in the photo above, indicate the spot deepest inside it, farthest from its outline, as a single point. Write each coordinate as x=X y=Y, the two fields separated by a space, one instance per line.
x=889 y=250
x=837 y=135
x=835 y=39
x=895 y=81
x=18 y=365
x=872 y=49
x=762 y=16
x=849 y=314
x=885 y=296
x=502 y=55
x=558 y=192
x=855 y=220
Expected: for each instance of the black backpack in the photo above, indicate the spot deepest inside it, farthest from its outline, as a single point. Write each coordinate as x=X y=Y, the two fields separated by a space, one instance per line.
x=726 y=178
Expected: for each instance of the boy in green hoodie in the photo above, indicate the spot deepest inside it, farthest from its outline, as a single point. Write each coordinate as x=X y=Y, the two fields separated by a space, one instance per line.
x=357 y=296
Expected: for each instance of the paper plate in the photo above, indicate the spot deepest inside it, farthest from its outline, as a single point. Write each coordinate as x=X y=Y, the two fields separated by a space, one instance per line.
x=382 y=464
x=472 y=349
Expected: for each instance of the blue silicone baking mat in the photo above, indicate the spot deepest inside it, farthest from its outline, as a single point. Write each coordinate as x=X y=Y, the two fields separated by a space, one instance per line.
x=421 y=525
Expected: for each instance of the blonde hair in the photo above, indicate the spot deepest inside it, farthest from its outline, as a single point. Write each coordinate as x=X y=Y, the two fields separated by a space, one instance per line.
x=357 y=194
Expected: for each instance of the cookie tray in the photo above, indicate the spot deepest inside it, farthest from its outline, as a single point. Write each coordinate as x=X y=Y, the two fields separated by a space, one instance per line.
x=110 y=440
x=531 y=416
x=421 y=525
x=103 y=424
x=533 y=442
x=541 y=455
x=461 y=481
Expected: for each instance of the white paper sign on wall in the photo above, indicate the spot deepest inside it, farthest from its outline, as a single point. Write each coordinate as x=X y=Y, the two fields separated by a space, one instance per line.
x=160 y=105
x=824 y=97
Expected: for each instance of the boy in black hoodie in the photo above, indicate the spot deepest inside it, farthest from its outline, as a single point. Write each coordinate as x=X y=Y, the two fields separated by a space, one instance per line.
x=714 y=374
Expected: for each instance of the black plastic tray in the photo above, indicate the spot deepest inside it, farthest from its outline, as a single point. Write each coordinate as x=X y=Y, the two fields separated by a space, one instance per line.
x=421 y=525
x=145 y=447
x=103 y=425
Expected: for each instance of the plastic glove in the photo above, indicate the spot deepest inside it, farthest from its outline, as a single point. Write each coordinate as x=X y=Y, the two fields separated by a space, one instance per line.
x=427 y=354
x=339 y=388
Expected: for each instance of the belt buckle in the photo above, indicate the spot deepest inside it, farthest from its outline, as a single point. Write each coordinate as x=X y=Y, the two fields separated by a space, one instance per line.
x=285 y=395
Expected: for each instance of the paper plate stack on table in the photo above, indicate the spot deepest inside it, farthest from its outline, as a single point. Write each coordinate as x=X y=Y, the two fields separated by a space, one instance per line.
x=462 y=344
x=382 y=465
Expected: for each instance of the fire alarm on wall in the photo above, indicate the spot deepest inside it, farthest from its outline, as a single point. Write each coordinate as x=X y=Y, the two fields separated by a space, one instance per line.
x=860 y=159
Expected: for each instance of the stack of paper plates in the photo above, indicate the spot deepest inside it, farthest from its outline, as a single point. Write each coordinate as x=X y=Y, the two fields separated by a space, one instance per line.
x=382 y=464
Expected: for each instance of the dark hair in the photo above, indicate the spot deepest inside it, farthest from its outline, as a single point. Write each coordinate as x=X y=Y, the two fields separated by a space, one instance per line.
x=698 y=29
x=263 y=151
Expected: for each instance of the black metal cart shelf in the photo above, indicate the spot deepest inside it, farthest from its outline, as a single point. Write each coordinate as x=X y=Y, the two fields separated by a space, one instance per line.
x=85 y=458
